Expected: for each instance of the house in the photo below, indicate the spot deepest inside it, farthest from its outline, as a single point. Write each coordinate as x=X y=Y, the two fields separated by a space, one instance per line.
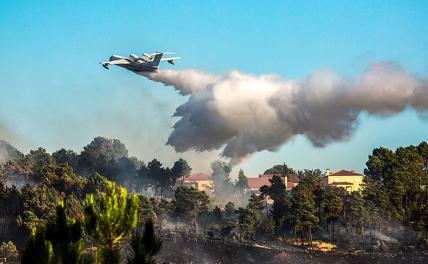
x=349 y=180
x=254 y=184
x=200 y=181
x=292 y=181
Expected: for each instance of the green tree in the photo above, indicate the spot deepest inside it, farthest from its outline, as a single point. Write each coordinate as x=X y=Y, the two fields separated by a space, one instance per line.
x=268 y=226
x=161 y=178
x=164 y=209
x=229 y=209
x=97 y=154
x=8 y=250
x=311 y=180
x=110 y=220
x=242 y=182
x=376 y=202
x=181 y=170
x=281 y=200
x=189 y=203
x=355 y=213
x=31 y=168
x=380 y=164
x=217 y=214
x=38 y=249
x=223 y=187
x=65 y=236
x=123 y=171
x=145 y=247
x=155 y=172
x=280 y=169
x=249 y=219
x=188 y=200
x=256 y=202
x=333 y=205
x=63 y=156
x=402 y=177
x=142 y=181
x=302 y=216
x=95 y=184
x=146 y=208
x=39 y=204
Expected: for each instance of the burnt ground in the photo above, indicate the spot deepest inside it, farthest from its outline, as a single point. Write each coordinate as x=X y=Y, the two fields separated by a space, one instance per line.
x=208 y=252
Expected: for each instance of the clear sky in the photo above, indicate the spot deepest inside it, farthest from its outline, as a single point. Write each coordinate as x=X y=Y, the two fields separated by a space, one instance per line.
x=55 y=94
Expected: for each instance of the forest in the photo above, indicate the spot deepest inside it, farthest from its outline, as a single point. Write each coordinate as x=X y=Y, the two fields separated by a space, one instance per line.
x=103 y=206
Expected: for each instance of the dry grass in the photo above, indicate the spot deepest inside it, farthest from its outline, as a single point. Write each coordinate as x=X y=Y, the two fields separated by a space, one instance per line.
x=317 y=245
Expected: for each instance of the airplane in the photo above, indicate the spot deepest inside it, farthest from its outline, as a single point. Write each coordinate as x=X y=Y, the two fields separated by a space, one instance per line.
x=145 y=63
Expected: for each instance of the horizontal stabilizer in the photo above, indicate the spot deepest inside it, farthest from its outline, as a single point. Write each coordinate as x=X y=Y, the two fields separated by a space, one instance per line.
x=104 y=64
x=170 y=60
x=164 y=53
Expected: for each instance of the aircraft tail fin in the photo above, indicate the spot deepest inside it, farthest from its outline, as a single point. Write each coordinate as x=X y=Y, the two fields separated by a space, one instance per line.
x=157 y=58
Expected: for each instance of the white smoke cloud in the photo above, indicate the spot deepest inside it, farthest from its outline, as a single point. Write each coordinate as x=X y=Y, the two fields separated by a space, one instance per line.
x=244 y=113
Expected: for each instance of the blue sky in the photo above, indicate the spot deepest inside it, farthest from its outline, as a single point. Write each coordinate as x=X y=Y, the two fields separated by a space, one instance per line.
x=55 y=94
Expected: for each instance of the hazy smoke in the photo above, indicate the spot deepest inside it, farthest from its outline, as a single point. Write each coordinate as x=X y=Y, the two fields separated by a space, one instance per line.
x=246 y=113
x=7 y=151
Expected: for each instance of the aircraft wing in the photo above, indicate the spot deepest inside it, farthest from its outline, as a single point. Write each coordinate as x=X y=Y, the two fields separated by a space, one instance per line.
x=114 y=62
x=120 y=61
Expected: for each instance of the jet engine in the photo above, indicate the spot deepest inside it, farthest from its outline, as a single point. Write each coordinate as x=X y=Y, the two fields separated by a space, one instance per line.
x=133 y=57
x=147 y=57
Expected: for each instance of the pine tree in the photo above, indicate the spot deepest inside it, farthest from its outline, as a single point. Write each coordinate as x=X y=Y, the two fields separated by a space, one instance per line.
x=38 y=249
x=301 y=215
x=333 y=205
x=66 y=238
x=242 y=182
x=145 y=247
x=355 y=212
x=281 y=201
x=229 y=209
x=110 y=221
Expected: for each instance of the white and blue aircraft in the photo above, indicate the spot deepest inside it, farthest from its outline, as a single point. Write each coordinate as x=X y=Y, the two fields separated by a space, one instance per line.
x=145 y=63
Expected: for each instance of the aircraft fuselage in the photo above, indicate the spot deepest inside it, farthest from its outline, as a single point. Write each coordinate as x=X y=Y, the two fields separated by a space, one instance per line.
x=136 y=66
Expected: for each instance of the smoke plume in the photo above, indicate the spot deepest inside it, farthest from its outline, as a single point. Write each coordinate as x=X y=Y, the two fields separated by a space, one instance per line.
x=244 y=113
x=7 y=151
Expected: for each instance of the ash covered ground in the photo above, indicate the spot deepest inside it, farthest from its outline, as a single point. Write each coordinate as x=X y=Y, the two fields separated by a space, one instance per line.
x=207 y=252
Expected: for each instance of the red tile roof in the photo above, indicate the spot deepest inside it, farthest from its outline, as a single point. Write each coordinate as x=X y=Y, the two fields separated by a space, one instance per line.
x=270 y=176
x=256 y=183
x=345 y=173
x=198 y=177
x=293 y=178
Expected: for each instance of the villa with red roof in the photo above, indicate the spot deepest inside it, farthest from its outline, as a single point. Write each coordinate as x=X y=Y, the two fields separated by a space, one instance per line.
x=200 y=181
x=349 y=180
x=204 y=182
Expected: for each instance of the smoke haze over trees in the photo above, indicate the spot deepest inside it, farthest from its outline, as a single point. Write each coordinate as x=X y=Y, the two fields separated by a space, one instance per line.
x=8 y=152
x=390 y=209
